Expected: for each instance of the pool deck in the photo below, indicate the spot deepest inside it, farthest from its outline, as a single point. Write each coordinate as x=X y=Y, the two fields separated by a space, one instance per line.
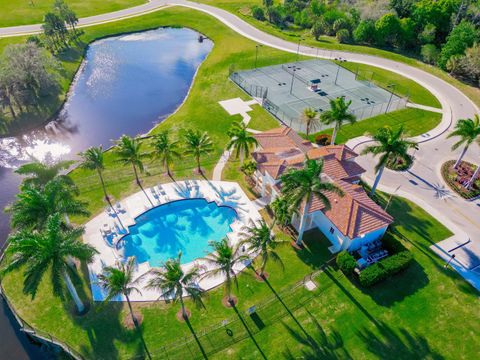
x=223 y=193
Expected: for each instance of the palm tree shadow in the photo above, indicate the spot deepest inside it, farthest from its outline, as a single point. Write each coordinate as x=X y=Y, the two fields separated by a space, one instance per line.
x=389 y=344
x=103 y=324
x=320 y=346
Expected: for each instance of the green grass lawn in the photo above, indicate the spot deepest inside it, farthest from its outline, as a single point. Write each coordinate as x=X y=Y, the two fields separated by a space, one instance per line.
x=409 y=301
x=415 y=122
x=21 y=12
x=241 y=8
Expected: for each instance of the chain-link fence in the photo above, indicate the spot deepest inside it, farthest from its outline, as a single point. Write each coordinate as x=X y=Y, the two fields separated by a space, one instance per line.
x=286 y=90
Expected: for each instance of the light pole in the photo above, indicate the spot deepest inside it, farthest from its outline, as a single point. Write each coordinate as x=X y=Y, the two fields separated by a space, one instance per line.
x=449 y=261
x=293 y=78
x=338 y=71
x=298 y=47
x=391 y=86
x=256 y=54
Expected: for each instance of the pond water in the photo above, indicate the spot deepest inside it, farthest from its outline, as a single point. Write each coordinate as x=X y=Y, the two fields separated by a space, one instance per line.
x=126 y=84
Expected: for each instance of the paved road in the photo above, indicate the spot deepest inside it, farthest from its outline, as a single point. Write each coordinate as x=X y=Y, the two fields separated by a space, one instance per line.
x=423 y=183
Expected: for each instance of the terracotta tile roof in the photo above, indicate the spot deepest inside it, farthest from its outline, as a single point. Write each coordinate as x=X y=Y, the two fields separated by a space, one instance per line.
x=282 y=148
x=284 y=136
x=353 y=214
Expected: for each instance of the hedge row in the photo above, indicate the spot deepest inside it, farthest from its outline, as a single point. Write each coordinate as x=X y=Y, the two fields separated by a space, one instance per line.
x=346 y=262
x=385 y=268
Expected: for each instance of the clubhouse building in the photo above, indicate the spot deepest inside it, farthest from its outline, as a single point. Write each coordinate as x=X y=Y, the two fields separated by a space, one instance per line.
x=353 y=220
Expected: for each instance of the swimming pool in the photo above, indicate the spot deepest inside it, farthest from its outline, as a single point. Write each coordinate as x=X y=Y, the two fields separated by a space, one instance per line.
x=184 y=225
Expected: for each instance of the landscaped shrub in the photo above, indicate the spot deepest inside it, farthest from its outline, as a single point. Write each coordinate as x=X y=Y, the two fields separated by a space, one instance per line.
x=346 y=262
x=371 y=275
x=249 y=167
x=392 y=244
x=396 y=263
x=323 y=139
x=385 y=268
x=258 y=13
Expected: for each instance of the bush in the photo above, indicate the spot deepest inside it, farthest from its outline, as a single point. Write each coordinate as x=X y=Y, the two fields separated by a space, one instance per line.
x=430 y=53
x=343 y=36
x=323 y=139
x=346 y=262
x=365 y=32
x=392 y=244
x=385 y=268
x=371 y=275
x=249 y=167
x=258 y=13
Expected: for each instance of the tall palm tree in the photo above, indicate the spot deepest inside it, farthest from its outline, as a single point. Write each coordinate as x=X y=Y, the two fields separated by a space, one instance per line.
x=33 y=206
x=282 y=211
x=301 y=185
x=311 y=119
x=241 y=140
x=39 y=174
x=174 y=283
x=390 y=144
x=468 y=130
x=223 y=260
x=260 y=239
x=92 y=159
x=197 y=144
x=129 y=152
x=337 y=115
x=51 y=249
x=119 y=280
x=165 y=150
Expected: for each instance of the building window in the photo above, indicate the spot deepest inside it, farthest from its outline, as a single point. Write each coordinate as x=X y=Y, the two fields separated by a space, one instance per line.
x=332 y=230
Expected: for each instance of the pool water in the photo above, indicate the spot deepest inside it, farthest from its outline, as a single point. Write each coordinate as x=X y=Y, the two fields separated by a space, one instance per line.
x=185 y=225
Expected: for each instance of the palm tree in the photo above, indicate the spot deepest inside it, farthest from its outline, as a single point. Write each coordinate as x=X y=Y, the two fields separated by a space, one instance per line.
x=469 y=131
x=311 y=119
x=197 y=144
x=34 y=206
x=39 y=174
x=241 y=141
x=92 y=159
x=165 y=150
x=37 y=252
x=282 y=211
x=118 y=280
x=128 y=151
x=223 y=260
x=337 y=115
x=174 y=282
x=260 y=240
x=390 y=144
x=301 y=185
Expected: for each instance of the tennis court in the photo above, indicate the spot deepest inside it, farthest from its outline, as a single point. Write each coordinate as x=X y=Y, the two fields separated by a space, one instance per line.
x=287 y=89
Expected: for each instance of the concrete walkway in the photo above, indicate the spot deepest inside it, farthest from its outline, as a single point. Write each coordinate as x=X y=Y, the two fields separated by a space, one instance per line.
x=423 y=184
x=233 y=107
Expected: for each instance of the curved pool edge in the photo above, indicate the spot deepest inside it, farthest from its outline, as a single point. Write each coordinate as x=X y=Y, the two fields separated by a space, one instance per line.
x=135 y=205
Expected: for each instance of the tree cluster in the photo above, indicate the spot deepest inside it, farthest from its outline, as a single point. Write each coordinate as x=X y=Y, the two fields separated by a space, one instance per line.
x=27 y=73
x=442 y=32
x=57 y=35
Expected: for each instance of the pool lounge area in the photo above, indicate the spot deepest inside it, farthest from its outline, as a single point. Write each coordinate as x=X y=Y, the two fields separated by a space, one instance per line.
x=180 y=216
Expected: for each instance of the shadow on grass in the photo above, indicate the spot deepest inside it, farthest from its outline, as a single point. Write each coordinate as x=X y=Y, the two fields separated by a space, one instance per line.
x=390 y=345
x=103 y=324
x=397 y=287
x=320 y=346
x=315 y=252
x=249 y=332
x=190 y=327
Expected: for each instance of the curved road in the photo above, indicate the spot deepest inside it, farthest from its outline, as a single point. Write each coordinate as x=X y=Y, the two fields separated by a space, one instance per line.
x=423 y=183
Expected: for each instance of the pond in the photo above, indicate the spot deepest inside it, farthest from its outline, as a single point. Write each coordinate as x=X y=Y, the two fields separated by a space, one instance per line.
x=126 y=85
